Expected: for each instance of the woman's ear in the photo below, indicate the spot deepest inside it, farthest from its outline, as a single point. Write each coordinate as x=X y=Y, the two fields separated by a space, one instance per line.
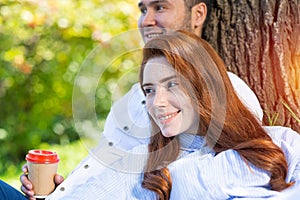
x=199 y=13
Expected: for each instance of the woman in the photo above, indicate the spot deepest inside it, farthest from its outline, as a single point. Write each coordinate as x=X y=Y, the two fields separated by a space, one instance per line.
x=191 y=93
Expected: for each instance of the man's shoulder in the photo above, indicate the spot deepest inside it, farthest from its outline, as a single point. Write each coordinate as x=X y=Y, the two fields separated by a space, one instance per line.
x=128 y=123
x=235 y=78
x=281 y=133
x=134 y=97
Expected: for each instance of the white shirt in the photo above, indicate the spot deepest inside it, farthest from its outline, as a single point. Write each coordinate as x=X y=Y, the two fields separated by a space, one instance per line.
x=197 y=174
x=127 y=126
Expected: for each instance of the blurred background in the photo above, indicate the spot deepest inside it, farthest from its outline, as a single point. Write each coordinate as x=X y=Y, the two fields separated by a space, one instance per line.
x=43 y=45
x=46 y=44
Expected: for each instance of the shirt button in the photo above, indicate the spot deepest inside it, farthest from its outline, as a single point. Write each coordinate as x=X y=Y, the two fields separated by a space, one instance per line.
x=125 y=128
x=144 y=102
x=86 y=166
x=110 y=144
x=62 y=189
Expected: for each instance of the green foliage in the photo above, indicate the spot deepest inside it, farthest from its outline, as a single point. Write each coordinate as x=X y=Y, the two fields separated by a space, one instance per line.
x=42 y=47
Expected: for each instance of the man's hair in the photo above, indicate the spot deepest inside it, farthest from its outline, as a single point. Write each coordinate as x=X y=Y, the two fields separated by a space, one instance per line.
x=189 y=4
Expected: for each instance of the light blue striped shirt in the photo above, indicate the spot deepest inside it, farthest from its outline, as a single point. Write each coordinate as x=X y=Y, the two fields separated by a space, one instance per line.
x=197 y=174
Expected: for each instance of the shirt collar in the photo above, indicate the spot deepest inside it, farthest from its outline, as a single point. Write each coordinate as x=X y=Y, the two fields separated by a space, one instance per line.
x=191 y=141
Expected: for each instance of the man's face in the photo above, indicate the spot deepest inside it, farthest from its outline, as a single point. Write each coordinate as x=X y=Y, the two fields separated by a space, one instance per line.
x=157 y=16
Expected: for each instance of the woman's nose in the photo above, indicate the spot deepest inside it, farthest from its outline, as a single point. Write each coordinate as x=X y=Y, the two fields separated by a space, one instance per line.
x=161 y=97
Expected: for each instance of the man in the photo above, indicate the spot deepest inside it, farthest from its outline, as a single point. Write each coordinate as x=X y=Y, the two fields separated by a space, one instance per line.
x=130 y=128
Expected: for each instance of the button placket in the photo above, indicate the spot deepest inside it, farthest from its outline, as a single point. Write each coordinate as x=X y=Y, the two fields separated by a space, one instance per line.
x=86 y=166
x=125 y=128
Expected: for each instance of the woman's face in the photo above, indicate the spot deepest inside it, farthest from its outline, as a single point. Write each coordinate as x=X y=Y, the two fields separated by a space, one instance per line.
x=166 y=102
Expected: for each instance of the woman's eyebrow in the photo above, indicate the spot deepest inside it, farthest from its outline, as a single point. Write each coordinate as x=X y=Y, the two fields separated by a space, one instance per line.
x=167 y=78
x=146 y=84
x=161 y=81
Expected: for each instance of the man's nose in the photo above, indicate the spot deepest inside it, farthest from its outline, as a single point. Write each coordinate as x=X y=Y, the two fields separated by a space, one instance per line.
x=161 y=97
x=148 y=19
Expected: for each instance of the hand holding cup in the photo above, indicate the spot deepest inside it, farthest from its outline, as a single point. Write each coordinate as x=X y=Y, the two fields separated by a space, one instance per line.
x=42 y=167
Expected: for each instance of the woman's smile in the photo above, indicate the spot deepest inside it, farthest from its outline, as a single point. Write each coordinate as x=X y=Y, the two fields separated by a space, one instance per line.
x=168 y=117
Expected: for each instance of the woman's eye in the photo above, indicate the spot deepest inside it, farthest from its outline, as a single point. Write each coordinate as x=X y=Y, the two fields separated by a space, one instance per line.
x=143 y=11
x=172 y=84
x=159 y=8
x=149 y=91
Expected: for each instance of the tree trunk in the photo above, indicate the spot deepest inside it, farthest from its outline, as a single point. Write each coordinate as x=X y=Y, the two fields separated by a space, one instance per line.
x=259 y=41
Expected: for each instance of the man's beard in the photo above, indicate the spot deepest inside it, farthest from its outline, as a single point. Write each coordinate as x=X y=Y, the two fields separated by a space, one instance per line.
x=186 y=23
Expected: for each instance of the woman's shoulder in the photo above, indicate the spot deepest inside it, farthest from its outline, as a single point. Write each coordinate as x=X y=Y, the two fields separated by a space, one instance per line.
x=280 y=134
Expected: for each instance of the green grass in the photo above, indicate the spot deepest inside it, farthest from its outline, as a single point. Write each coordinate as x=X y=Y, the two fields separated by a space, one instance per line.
x=297 y=118
x=70 y=156
x=272 y=117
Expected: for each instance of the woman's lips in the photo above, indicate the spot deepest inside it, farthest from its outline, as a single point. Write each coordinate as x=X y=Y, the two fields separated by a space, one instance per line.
x=168 y=117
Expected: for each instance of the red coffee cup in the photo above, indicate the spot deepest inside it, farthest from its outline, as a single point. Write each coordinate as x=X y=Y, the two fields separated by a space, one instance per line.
x=42 y=167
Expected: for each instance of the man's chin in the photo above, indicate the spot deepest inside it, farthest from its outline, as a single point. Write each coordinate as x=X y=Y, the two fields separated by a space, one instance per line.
x=151 y=36
x=147 y=39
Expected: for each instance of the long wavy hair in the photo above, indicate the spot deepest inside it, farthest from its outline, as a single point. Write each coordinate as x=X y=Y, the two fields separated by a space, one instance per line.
x=223 y=119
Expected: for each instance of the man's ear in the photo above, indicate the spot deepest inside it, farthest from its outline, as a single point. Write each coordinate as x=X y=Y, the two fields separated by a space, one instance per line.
x=198 y=17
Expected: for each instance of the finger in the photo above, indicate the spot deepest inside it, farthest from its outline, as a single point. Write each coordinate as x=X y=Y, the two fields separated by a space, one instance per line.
x=25 y=169
x=58 y=179
x=28 y=193
x=25 y=182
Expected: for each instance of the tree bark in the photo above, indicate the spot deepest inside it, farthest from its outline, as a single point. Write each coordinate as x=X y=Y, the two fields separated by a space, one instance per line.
x=259 y=41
